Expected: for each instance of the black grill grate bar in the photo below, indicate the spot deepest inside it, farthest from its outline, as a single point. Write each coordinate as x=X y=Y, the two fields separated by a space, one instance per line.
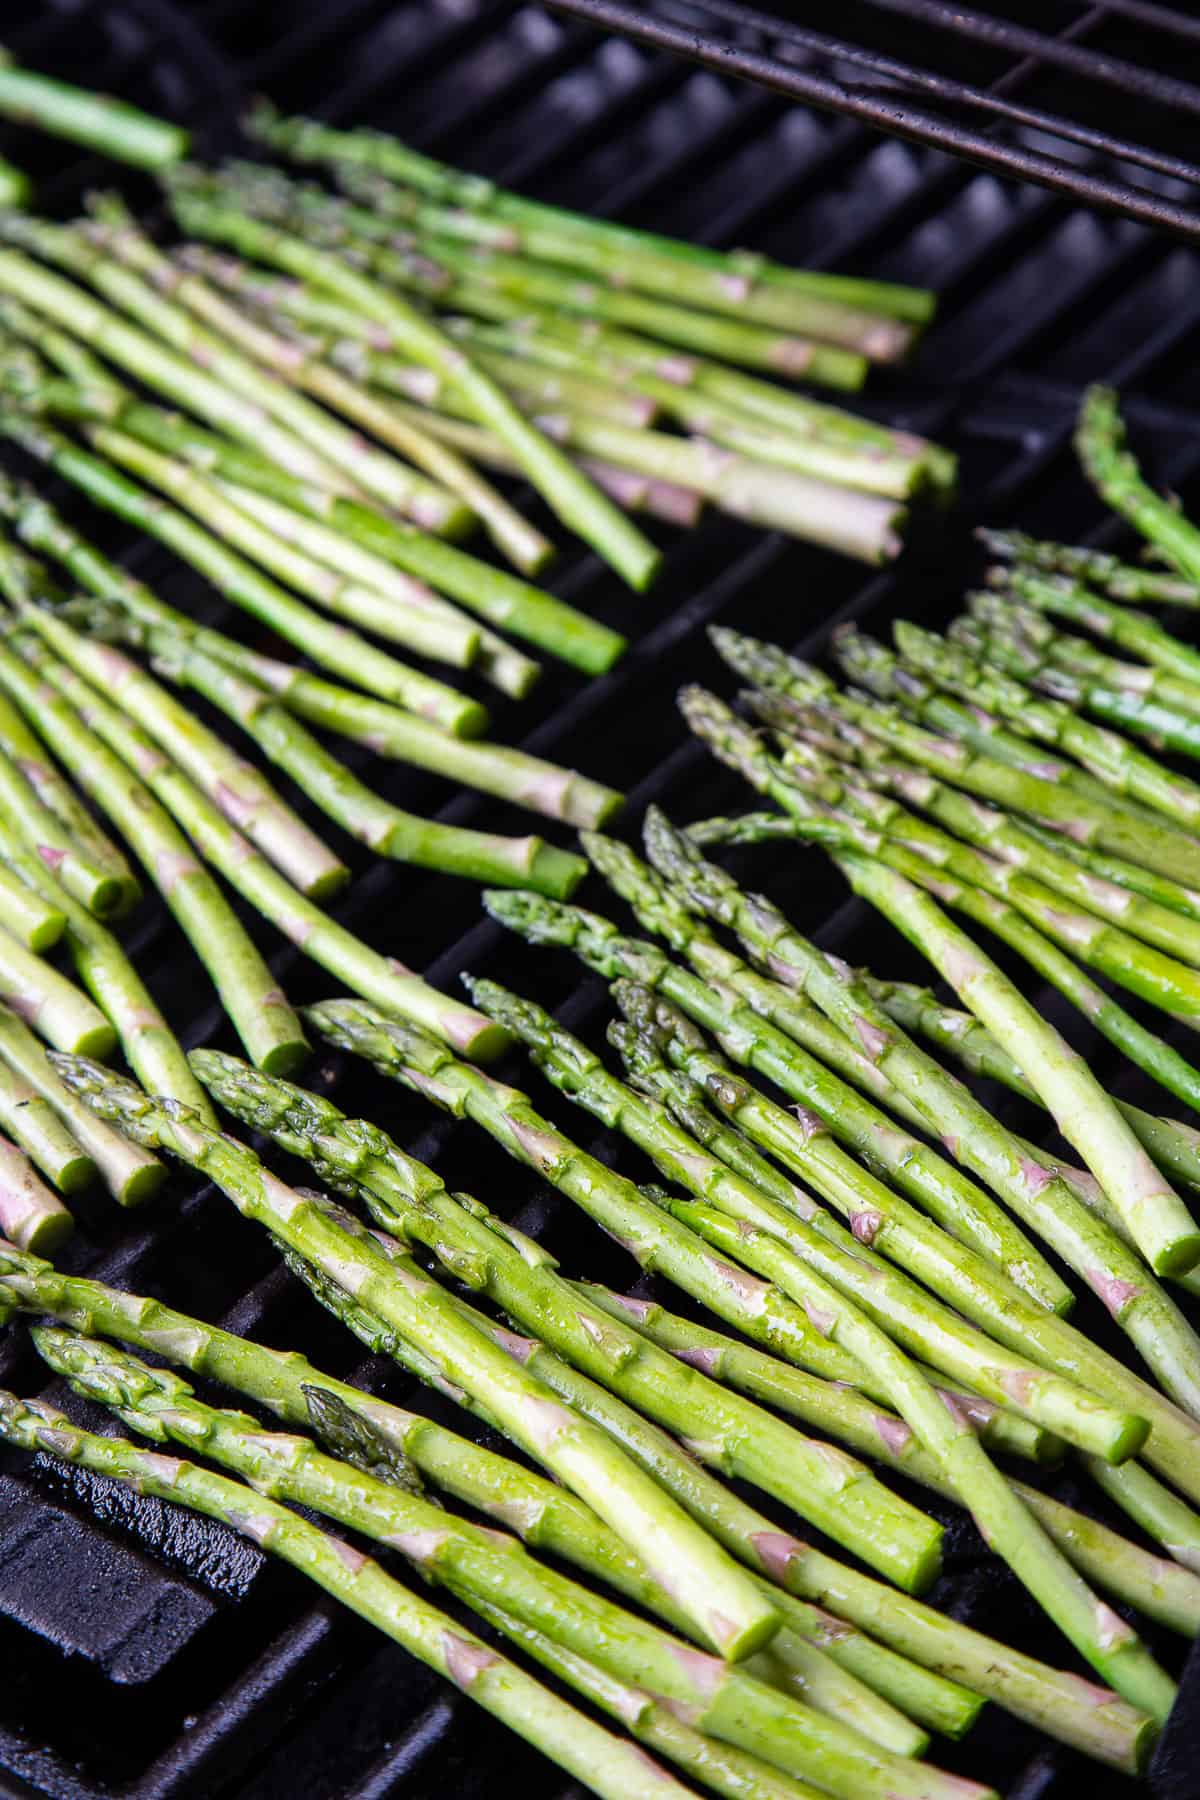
x=916 y=102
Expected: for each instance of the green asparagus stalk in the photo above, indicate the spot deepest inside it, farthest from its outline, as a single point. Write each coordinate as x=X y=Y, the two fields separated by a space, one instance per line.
x=332 y=645
x=522 y=542
x=1106 y=754
x=385 y=828
x=97 y=121
x=409 y=1199
x=1130 y=630
x=553 y=1519
x=37 y=1129
x=415 y=1307
x=1113 y=471
x=26 y=915
x=725 y=1702
x=511 y=774
x=361 y=464
x=576 y=500
x=606 y=1764
x=248 y=991
x=33 y=1217
x=307 y=140
x=777 y=499
x=537 y=389
x=355 y=1424
x=1030 y=1189
x=16 y=189
x=964 y=1210
x=1091 y=568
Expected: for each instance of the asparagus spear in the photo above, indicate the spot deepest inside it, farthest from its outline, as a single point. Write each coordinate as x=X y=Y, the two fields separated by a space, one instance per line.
x=723 y=1701
x=439 y=267
x=415 y=1307
x=1030 y=1189
x=308 y=140
x=1088 y=567
x=511 y=774
x=577 y=502
x=30 y=918
x=1130 y=630
x=331 y=645
x=354 y=1425
x=1106 y=754
x=963 y=1209
x=1113 y=471
x=98 y=121
x=248 y=990
x=776 y=499
x=33 y=1217
x=385 y=828
x=553 y=1519
x=16 y=189
x=604 y=1763
x=37 y=1129
x=639 y=266
x=521 y=542
x=361 y=464
x=842 y=1499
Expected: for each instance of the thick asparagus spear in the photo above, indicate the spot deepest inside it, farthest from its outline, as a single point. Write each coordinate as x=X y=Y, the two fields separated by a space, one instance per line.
x=30 y=1214
x=1113 y=470
x=331 y=645
x=307 y=140
x=511 y=774
x=416 y=1308
x=604 y=1763
x=1030 y=1189
x=30 y=918
x=553 y=1519
x=37 y=1129
x=576 y=500
x=97 y=121
x=1091 y=568
x=385 y=828
x=723 y=1701
x=248 y=991
x=842 y=1499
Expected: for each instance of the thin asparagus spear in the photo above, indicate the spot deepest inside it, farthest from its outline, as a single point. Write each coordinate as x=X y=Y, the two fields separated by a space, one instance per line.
x=98 y=121
x=1113 y=471
x=1030 y=1189
x=30 y=918
x=545 y=1515
x=363 y=466
x=606 y=1764
x=576 y=246
x=858 y=524
x=388 y=830
x=37 y=1129
x=249 y=873
x=1106 y=754
x=307 y=140
x=578 y=503
x=407 y=615
x=235 y=785
x=406 y=1197
x=436 y=265
x=332 y=645
x=132 y=1175
x=726 y=1702
x=521 y=542
x=420 y=1311
x=527 y=780
x=35 y=1219
x=248 y=991
x=1091 y=568
x=553 y=1519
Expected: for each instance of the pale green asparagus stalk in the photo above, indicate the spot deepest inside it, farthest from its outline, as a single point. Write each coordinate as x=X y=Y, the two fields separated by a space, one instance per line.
x=30 y=1214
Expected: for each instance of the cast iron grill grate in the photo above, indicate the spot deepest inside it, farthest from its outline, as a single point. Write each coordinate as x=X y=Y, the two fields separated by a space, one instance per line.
x=147 y=1655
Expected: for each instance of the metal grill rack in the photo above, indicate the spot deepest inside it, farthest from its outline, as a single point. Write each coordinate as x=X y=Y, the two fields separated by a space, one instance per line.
x=148 y=1655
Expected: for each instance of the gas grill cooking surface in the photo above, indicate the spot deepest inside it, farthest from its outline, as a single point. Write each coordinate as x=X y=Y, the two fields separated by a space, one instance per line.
x=144 y=1653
